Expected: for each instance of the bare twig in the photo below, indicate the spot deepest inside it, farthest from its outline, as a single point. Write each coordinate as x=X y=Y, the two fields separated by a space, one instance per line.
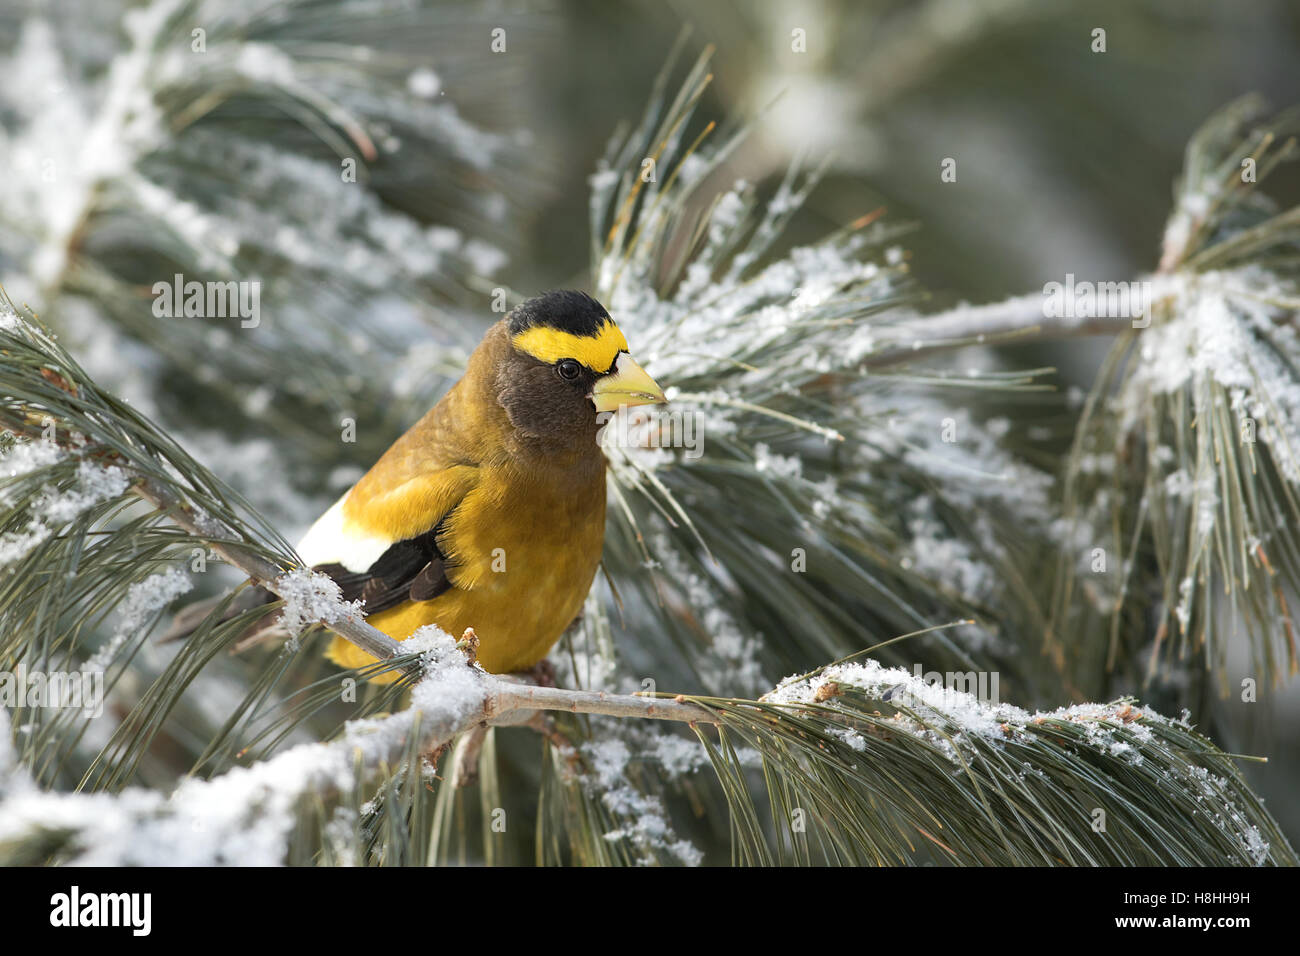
x=464 y=764
x=525 y=697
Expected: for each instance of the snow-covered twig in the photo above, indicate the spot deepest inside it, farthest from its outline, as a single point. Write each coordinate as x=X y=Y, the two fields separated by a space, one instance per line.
x=1016 y=320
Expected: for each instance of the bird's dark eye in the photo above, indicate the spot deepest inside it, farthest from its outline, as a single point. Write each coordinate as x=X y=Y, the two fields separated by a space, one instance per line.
x=568 y=369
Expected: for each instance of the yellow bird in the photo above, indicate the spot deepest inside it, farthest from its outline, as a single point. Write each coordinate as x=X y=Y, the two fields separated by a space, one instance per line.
x=490 y=511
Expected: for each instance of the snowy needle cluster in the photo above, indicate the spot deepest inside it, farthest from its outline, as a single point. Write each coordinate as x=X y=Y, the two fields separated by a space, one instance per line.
x=801 y=504
x=1186 y=467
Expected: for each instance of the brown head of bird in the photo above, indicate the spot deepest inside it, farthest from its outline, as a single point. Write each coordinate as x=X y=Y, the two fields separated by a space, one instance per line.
x=567 y=369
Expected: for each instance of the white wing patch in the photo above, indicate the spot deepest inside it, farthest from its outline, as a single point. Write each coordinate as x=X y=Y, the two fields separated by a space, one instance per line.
x=329 y=541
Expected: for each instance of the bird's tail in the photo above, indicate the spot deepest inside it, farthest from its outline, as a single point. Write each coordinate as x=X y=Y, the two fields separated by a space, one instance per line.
x=189 y=618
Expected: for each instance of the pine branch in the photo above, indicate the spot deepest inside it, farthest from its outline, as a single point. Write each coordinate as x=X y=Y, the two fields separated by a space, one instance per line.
x=1000 y=785
x=798 y=370
x=1185 y=465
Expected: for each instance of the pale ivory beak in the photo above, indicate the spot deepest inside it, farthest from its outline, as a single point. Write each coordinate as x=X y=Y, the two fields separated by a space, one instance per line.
x=628 y=384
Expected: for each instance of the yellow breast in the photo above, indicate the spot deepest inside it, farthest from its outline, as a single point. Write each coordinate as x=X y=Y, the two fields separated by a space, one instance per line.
x=522 y=553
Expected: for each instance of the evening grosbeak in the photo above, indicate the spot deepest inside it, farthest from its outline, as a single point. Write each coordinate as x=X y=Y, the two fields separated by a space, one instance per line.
x=490 y=511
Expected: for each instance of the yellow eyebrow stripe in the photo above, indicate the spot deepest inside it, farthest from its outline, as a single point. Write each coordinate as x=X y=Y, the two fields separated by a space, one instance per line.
x=598 y=352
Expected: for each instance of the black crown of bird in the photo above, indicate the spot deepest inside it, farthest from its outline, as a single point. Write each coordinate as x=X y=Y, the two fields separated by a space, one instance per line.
x=489 y=512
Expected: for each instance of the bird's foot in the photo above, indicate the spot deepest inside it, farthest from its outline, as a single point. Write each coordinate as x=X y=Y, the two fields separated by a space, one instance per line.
x=464 y=767
x=543 y=673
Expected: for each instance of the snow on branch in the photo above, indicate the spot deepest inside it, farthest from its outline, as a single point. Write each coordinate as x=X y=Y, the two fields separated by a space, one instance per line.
x=947 y=740
x=245 y=816
x=1017 y=320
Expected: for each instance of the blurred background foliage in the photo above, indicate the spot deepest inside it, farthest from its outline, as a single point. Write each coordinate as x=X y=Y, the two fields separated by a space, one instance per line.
x=1066 y=161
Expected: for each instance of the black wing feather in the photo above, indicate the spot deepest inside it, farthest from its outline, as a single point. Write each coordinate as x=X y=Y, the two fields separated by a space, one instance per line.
x=410 y=570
